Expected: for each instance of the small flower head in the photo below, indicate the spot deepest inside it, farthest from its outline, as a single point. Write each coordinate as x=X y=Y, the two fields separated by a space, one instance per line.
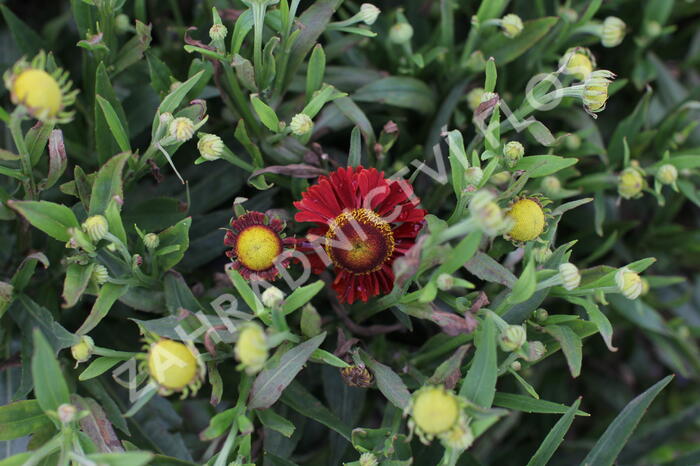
x=434 y=411
x=629 y=283
x=445 y=281
x=174 y=367
x=570 y=276
x=551 y=185
x=473 y=176
x=357 y=376
x=512 y=338
x=540 y=315
x=45 y=95
x=487 y=213
x=310 y=321
x=151 y=241
x=537 y=350
x=66 y=413
x=667 y=174
x=100 y=274
x=612 y=32
x=401 y=33
x=572 y=141
x=500 y=178
x=528 y=218
x=182 y=129
x=459 y=438
x=630 y=183
x=578 y=62
x=474 y=97
x=368 y=459
x=82 y=351
x=251 y=348
x=218 y=32
x=369 y=13
x=272 y=297
x=595 y=90
x=541 y=254
x=257 y=245
x=96 y=227
x=210 y=146
x=513 y=152
x=301 y=124
x=511 y=25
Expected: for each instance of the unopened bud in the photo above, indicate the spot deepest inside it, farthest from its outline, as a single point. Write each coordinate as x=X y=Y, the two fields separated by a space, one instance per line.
x=218 y=32
x=512 y=25
x=210 y=146
x=512 y=338
x=667 y=174
x=151 y=241
x=513 y=152
x=612 y=32
x=100 y=274
x=570 y=276
x=630 y=183
x=96 y=227
x=310 y=321
x=445 y=281
x=182 y=129
x=541 y=315
x=400 y=33
x=301 y=124
x=368 y=459
x=82 y=351
x=473 y=176
x=536 y=351
x=272 y=297
x=551 y=185
x=66 y=413
x=629 y=283
x=369 y=13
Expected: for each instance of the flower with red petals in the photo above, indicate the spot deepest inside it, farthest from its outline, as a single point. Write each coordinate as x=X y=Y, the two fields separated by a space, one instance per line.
x=364 y=222
x=257 y=245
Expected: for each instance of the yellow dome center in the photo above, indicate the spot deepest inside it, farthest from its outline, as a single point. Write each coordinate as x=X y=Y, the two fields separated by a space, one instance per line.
x=172 y=364
x=39 y=92
x=435 y=410
x=528 y=220
x=257 y=247
x=579 y=66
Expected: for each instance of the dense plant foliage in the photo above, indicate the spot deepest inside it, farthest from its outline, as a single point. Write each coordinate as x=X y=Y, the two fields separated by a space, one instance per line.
x=281 y=232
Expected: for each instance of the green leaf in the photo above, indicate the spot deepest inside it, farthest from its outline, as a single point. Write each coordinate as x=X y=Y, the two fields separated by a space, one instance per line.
x=390 y=384
x=108 y=184
x=50 y=387
x=543 y=165
x=98 y=367
x=461 y=254
x=571 y=345
x=22 y=418
x=525 y=286
x=173 y=100
x=115 y=125
x=76 y=282
x=29 y=316
x=127 y=458
x=107 y=296
x=301 y=296
x=628 y=129
x=105 y=142
x=270 y=383
x=479 y=385
x=274 y=421
x=504 y=50
x=26 y=269
x=267 y=115
x=613 y=440
x=399 y=91
x=596 y=316
x=300 y=400
x=51 y=218
x=28 y=41
x=315 y=71
x=554 y=438
x=177 y=234
x=528 y=404
x=246 y=292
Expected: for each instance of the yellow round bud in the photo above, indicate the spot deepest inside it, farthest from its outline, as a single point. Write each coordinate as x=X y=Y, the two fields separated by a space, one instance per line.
x=400 y=33
x=82 y=351
x=630 y=183
x=151 y=240
x=251 y=348
x=272 y=297
x=301 y=124
x=570 y=276
x=512 y=338
x=513 y=152
x=667 y=174
x=595 y=90
x=210 y=146
x=474 y=97
x=96 y=227
x=645 y=287
x=528 y=220
x=578 y=62
x=435 y=410
x=172 y=365
x=39 y=92
x=629 y=283
x=613 y=32
x=182 y=129
x=511 y=25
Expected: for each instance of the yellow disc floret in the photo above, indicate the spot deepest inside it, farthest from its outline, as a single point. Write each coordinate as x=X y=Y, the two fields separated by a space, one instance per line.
x=257 y=247
x=39 y=92
x=435 y=410
x=172 y=365
x=528 y=220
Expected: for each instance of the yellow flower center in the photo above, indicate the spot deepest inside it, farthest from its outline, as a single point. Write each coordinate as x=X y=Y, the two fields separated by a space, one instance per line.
x=251 y=348
x=257 y=247
x=359 y=241
x=528 y=220
x=38 y=91
x=435 y=410
x=172 y=364
x=579 y=66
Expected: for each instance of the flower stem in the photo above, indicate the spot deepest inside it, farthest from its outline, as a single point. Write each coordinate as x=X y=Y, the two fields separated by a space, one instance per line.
x=25 y=158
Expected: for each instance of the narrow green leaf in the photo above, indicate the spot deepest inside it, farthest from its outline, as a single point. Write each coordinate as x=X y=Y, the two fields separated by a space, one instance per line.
x=301 y=296
x=479 y=385
x=554 y=438
x=108 y=184
x=98 y=367
x=390 y=384
x=274 y=421
x=315 y=71
x=571 y=345
x=49 y=385
x=267 y=115
x=22 y=418
x=114 y=123
x=76 y=282
x=108 y=294
x=300 y=400
x=51 y=218
x=528 y=404
x=525 y=286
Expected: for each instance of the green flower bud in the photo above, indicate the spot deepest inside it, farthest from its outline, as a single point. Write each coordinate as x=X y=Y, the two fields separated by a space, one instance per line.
x=96 y=227
x=100 y=274
x=629 y=283
x=540 y=315
x=536 y=351
x=572 y=141
x=570 y=276
x=513 y=152
x=511 y=25
x=512 y=338
x=210 y=146
x=595 y=90
x=473 y=176
x=612 y=32
x=474 y=97
x=251 y=348
x=667 y=174
x=218 y=32
x=151 y=241
x=82 y=351
x=445 y=282
x=487 y=214
x=400 y=33
x=516 y=366
x=368 y=459
x=541 y=254
x=551 y=185
x=66 y=413
x=122 y=22
x=301 y=124
x=369 y=13
x=310 y=321
x=500 y=178
x=272 y=297
x=630 y=183
x=182 y=129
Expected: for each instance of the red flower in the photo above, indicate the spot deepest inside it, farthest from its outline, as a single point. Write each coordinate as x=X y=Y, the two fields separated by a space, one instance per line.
x=365 y=222
x=257 y=245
